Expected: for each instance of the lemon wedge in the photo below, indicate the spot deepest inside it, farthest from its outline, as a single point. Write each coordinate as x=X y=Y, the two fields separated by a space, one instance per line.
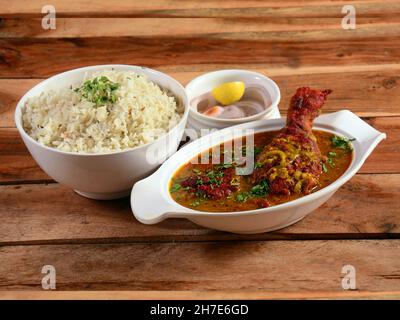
x=229 y=92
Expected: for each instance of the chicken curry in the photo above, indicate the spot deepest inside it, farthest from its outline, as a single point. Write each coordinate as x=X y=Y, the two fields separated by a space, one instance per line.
x=286 y=164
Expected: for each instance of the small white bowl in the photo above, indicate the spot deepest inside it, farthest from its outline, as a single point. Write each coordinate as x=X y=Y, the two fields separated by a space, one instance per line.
x=103 y=175
x=206 y=82
x=151 y=201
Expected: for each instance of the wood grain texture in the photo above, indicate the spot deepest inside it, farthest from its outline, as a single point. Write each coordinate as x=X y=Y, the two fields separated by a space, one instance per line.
x=25 y=57
x=29 y=217
x=192 y=8
x=272 y=29
x=17 y=165
x=245 y=266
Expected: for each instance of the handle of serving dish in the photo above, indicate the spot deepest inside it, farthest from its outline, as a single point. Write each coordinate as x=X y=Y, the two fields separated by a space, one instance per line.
x=148 y=202
x=366 y=137
x=351 y=124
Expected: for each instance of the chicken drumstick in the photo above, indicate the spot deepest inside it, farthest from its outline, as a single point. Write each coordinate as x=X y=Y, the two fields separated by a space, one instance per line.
x=292 y=161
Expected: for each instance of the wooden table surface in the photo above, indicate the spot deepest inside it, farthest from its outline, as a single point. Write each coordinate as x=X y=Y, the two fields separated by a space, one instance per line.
x=99 y=246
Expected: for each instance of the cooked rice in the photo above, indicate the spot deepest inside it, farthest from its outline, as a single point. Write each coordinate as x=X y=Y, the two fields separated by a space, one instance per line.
x=63 y=119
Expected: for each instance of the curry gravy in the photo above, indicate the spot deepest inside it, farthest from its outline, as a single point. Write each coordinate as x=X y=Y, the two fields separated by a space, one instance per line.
x=337 y=161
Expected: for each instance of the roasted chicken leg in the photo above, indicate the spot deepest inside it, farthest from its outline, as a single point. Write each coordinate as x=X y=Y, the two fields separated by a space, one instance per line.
x=292 y=161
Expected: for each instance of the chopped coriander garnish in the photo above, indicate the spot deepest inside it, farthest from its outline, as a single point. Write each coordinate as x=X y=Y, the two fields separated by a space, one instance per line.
x=260 y=189
x=243 y=196
x=257 y=150
x=215 y=177
x=196 y=171
x=175 y=187
x=199 y=181
x=324 y=168
x=330 y=159
x=257 y=165
x=100 y=91
x=342 y=143
x=224 y=165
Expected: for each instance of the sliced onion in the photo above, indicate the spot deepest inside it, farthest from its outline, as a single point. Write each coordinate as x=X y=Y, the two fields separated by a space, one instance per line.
x=255 y=100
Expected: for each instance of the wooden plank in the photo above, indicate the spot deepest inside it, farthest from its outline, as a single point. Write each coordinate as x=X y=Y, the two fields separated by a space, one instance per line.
x=272 y=29
x=245 y=266
x=31 y=57
x=192 y=8
x=194 y=295
x=365 y=93
x=368 y=91
x=379 y=161
x=41 y=214
x=17 y=165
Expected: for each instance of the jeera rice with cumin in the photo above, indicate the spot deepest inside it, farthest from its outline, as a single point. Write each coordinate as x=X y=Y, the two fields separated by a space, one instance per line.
x=109 y=111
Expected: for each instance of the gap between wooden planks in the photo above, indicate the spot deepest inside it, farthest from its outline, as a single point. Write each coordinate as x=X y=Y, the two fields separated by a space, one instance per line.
x=271 y=266
x=362 y=208
x=194 y=295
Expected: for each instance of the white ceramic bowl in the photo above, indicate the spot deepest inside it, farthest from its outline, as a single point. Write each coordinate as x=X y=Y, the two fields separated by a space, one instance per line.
x=103 y=175
x=206 y=82
x=152 y=203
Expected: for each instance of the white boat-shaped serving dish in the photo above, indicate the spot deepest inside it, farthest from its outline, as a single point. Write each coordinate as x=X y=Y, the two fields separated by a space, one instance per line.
x=151 y=201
